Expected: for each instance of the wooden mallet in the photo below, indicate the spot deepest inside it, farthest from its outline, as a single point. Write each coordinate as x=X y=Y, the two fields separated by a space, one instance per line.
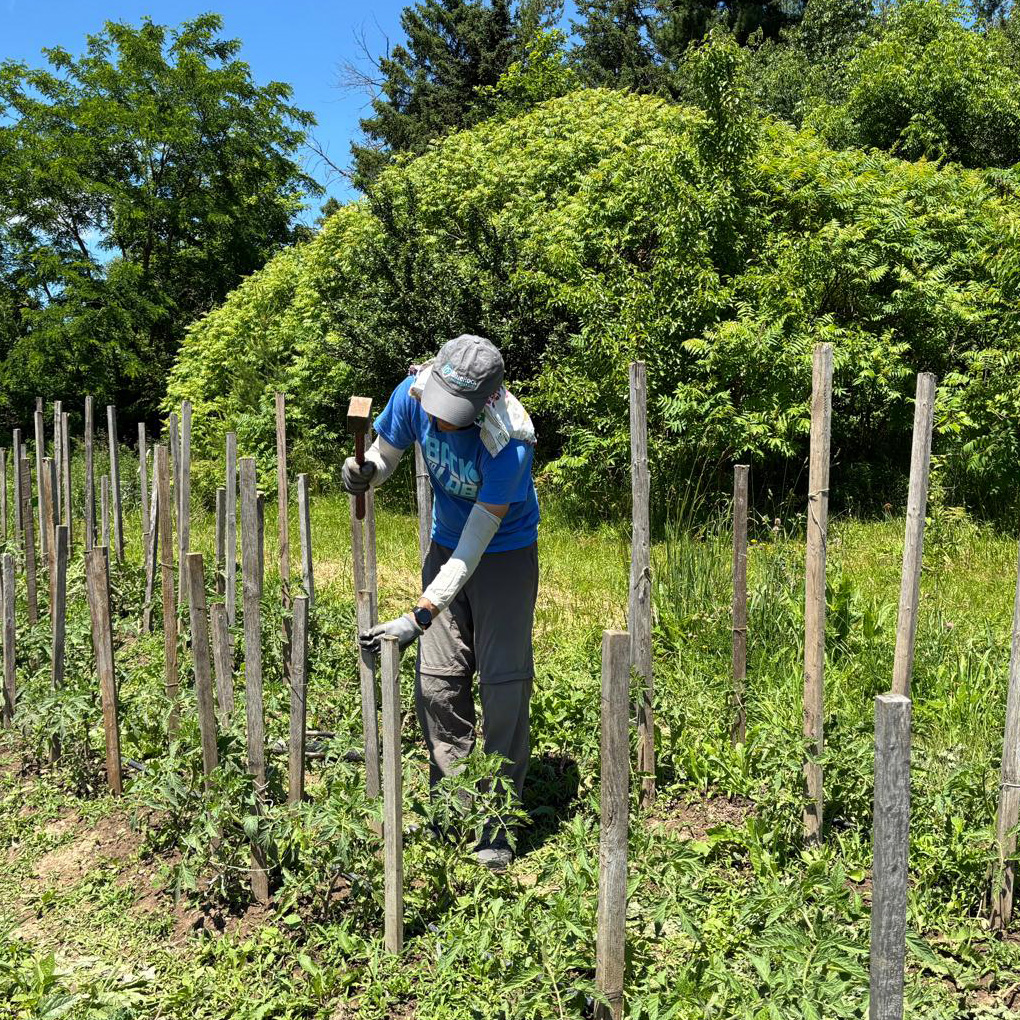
x=359 y=411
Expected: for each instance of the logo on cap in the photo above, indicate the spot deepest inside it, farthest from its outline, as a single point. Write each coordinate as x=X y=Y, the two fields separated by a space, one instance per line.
x=450 y=374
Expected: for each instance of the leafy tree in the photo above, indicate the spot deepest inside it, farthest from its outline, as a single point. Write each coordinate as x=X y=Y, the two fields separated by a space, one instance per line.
x=614 y=48
x=544 y=73
x=141 y=182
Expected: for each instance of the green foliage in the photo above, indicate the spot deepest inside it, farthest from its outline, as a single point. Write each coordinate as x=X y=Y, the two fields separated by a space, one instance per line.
x=141 y=182
x=543 y=73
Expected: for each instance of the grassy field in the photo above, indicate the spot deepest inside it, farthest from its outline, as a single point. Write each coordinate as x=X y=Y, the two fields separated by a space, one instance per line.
x=137 y=908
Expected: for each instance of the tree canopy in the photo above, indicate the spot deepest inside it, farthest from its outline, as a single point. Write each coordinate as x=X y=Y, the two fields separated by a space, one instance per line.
x=142 y=181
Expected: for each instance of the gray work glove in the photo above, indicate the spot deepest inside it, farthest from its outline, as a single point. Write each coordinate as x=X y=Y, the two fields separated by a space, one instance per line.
x=404 y=628
x=356 y=477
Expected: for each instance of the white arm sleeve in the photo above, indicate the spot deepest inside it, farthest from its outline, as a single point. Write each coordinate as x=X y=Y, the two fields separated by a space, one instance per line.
x=385 y=458
x=474 y=540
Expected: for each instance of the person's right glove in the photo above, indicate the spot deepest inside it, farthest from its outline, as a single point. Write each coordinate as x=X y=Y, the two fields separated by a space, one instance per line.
x=356 y=477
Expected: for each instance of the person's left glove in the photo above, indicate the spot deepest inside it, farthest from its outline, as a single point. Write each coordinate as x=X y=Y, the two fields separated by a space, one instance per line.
x=404 y=628
x=356 y=477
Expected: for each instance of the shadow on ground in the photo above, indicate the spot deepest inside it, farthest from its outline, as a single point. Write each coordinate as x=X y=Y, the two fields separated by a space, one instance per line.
x=550 y=798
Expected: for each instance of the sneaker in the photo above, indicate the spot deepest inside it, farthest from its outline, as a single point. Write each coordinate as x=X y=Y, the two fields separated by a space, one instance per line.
x=495 y=858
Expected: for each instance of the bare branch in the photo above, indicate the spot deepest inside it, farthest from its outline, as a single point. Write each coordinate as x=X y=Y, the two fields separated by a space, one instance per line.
x=321 y=152
x=364 y=72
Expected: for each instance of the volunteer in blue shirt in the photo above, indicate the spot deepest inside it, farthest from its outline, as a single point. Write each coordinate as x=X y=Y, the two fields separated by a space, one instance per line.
x=480 y=576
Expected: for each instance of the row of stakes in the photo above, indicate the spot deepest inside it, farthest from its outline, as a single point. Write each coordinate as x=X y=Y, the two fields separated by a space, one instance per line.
x=623 y=652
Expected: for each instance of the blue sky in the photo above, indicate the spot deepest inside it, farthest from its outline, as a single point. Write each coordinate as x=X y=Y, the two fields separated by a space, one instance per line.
x=302 y=42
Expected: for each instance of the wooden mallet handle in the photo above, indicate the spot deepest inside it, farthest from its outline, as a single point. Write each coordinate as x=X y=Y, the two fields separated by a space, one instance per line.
x=359 y=415
x=359 y=456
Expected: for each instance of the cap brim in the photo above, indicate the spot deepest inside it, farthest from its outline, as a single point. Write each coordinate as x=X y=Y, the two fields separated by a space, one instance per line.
x=440 y=402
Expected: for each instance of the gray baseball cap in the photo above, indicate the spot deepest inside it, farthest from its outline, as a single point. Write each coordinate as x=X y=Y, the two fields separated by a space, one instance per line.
x=466 y=372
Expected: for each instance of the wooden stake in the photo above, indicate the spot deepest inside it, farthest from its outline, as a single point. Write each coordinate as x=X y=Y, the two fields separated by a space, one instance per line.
x=913 y=543
x=151 y=553
x=46 y=515
x=740 y=472
x=10 y=600
x=98 y=577
x=59 y=618
x=393 y=825
x=252 y=593
x=371 y=572
x=184 y=498
x=175 y=465
x=305 y=533
x=283 y=521
x=90 y=478
x=223 y=662
x=610 y=941
x=40 y=453
x=814 y=588
x=423 y=492
x=298 y=700
x=200 y=653
x=891 y=836
x=1004 y=882
x=16 y=472
x=29 y=526
x=165 y=545
x=118 y=516
x=65 y=449
x=3 y=491
x=104 y=511
x=231 y=529
x=58 y=456
x=357 y=549
x=366 y=609
x=221 y=539
x=143 y=489
x=640 y=605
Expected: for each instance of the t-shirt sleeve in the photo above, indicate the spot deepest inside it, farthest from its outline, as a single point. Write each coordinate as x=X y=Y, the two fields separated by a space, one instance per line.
x=397 y=423
x=506 y=478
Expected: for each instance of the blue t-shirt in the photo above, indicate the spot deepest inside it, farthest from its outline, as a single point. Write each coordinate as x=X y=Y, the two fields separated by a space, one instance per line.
x=463 y=471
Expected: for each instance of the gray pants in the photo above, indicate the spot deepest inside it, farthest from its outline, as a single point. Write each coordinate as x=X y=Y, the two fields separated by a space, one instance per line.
x=487 y=627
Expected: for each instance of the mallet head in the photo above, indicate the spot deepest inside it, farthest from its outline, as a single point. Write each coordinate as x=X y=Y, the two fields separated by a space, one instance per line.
x=359 y=414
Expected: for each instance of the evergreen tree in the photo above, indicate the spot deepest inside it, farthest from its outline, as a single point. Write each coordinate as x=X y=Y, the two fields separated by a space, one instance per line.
x=615 y=49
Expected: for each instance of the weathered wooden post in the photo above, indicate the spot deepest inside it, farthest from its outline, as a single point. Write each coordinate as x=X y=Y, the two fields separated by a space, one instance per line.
x=151 y=553
x=184 y=499
x=118 y=516
x=230 y=534
x=98 y=577
x=59 y=618
x=90 y=476
x=366 y=610
x=640 y=603
x=913 y=543
x=3 y=492
x=423 y=492
x=610 y=941
x=200 y=654
x=740 y=473
x=1004 y=881
x=143 y=489
x=298 y=700
x=305 y=534
x=16 y=472
x=891 y=836
x=174 y=428
x=104 y=511
x=46 y=525
x=221 y=540
x=283 y=521
x=40 y=453
x=393 y=824
x=10 y=600
x=27 y=521
x=223 y=661
x=814 y=588
x=65 y=450
x=58 y=455
x=260 y=522
x=166 y=579
x=252 y=593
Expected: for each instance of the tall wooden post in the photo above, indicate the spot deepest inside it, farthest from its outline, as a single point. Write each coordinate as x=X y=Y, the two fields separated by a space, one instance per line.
x=174 y=427
x=913 y=543
x=16 y=472
x=46 y=517
x=891 y=835
x=221 y=539
x=393 y=825
x=98 y=577
x=58 y=455
x=366 y=611
x=298 y=701
x=1004 y=882
x=184 y=498
x=283 y=520
x=252 y=593
x=90 y=475
x=260 y=524
x=200 y=653
x=610 y=940
x=640 y=603
x=814 y=589
x=143 y=488
x=3 y=493
x=27 y=520
x=10 y=601
x=740 y=472
x=423 y=492
x=59 y=618
x=223 y=661
x=65 y=451
x=230 y=533
x=118 y=516
x=40 y=453
x=165 y=543
x=104 y=511
x=151 y=552
x=305 y=534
